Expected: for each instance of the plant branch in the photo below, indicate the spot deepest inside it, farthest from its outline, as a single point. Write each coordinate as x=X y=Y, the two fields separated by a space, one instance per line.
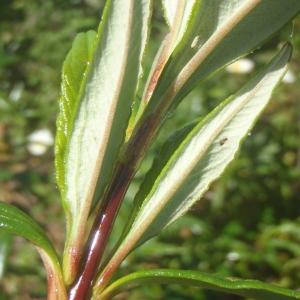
x=99 y=235
x=113 y=198
x=143 y=134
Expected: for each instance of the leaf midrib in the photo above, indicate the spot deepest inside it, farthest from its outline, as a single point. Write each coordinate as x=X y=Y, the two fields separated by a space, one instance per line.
x=212 y=42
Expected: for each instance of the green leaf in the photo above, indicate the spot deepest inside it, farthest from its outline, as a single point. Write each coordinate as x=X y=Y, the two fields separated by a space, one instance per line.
x=5 y=245
x=178 y=14
x=17 y=222
x=259 y=24
x=171 y=6
x=179 y=179
x=101 y=74
x=73 y=78
x=185 y=168
x=161 y=159
x=14 y=221
x=246 y=288
x=218 y=32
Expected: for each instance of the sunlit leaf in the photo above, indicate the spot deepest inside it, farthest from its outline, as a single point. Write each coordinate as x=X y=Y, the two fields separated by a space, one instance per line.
x=178 y=14
x=73 y=78
x=180 y=179
x=253 y=289
x=99 y=83
x=185 y=168
x=218 y=33
x=14 y=221
x=187 y=8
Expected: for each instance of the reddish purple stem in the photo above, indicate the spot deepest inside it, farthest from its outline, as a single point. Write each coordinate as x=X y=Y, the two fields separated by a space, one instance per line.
x=102 y=227
x=81 y=289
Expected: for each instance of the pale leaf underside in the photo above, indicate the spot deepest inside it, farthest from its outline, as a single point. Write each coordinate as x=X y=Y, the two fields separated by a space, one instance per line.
x=14 y=221
x=206 y=151
x=100 y=78
x=216 y=33
x=199 y=158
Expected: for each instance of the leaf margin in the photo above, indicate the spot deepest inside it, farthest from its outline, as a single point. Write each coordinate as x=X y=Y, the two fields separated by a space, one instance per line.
x=242 y=287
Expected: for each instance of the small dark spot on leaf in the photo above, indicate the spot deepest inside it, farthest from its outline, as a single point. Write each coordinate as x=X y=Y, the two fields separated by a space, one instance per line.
x=223 y=141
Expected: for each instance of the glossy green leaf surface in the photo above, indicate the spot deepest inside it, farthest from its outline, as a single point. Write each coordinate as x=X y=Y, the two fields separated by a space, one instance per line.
x=253 y=289
x=191 y=161
x=17 y=222
x=180 y=179
x=14 y=221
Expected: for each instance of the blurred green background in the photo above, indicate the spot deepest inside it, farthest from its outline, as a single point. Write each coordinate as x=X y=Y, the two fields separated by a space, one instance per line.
x=247 y=225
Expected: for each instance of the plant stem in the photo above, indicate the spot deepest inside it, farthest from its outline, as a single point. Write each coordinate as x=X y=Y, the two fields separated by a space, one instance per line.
x=133 y=154
x=104 y=221
x=99 y=235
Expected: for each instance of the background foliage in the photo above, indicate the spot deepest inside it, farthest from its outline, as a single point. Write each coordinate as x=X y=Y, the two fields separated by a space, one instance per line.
x=247 y=225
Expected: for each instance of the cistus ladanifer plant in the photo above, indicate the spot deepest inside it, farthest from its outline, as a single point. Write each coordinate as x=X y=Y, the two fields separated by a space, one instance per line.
x=109 y=116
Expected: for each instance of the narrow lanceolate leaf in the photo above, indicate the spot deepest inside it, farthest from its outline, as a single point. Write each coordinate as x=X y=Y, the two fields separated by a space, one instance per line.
x=99 y=82
x=73 y=79
x=180 y=176
x=177 y=15
x=14 y=221
x=171 y=8
x=147 y=14
x=217 y=33
x=253 y=289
